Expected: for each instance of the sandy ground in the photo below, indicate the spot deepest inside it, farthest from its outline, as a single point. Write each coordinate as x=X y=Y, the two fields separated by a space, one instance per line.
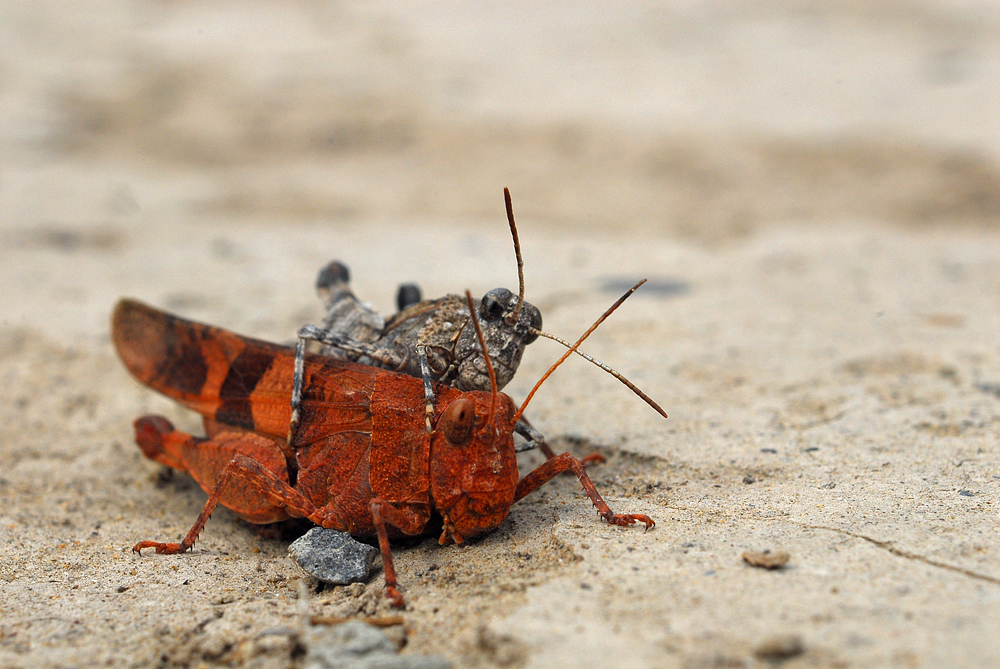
x=813 y=193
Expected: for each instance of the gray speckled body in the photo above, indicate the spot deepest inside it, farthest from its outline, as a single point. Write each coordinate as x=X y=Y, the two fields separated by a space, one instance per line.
x=441 y=326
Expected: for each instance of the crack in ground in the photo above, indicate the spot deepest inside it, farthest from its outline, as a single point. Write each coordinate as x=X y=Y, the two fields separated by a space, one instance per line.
x=886 y=545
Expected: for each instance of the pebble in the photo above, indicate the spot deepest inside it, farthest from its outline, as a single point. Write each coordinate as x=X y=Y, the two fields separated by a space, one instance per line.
x=333 y=557
x=357 y=645
x=766 y=559
x=781 y=647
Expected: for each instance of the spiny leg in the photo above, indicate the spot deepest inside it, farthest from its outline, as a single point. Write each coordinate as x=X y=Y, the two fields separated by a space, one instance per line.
x=425 y=373
x=390 y=359
x=251 y=476
x=300 y=363
x=264 y=486
x=383 y=357
x=561 y=463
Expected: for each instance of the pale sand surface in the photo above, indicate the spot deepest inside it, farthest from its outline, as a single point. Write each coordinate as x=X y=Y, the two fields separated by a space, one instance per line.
x=814 y=194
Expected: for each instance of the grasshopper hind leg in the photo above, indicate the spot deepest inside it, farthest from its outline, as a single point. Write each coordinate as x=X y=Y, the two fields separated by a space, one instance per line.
x=407 y=295
x=240 y=470
x=245 y=473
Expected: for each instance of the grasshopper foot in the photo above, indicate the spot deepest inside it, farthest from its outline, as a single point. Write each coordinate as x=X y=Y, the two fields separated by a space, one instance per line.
x=396 y=599
x=161 y=548
x=629 y=519
x=593 y=459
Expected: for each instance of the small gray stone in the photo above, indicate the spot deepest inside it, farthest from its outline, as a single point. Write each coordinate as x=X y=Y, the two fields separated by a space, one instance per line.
x=333 y=557
x=356 y=645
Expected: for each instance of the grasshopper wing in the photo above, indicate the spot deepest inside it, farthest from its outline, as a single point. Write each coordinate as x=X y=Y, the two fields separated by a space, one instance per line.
x=238 y=381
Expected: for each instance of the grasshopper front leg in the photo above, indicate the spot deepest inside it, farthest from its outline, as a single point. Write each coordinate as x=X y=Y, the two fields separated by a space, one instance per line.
x=566 y=462
x=536 y=439
x=388 y=359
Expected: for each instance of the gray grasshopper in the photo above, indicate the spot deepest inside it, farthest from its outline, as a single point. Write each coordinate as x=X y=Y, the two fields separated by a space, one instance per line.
x=426 y=338
x=433 y=339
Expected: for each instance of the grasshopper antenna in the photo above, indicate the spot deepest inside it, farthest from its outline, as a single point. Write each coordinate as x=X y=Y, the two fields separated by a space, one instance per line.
x=628 y=384
x=573 y=349
x=486 y=355
x=512 y=320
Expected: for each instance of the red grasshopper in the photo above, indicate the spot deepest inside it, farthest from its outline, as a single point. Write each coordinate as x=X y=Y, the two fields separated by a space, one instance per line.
x=359 y=460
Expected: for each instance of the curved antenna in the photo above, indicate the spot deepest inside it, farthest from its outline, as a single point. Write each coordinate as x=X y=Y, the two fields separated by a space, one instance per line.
x=628 y=384
x=573 y=348
x=512 y=320
x=486 y=355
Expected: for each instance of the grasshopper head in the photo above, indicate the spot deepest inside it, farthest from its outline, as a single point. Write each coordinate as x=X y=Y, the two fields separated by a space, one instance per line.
x=504 y=340
x=505 y=324
x=473 y=466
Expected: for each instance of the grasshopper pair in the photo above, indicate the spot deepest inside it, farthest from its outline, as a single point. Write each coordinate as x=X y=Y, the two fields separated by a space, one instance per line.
x=432 y=340
x=351 y=447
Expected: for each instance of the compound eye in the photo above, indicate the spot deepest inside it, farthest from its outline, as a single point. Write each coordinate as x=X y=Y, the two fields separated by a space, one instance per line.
x=493 y=304
x=458 y=421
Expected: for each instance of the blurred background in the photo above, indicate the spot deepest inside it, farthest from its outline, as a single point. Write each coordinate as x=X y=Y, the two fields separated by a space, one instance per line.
x=812 y=188
x=210 y=157
x=705 y=120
